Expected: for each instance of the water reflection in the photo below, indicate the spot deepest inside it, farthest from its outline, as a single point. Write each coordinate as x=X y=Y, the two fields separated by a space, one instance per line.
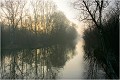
x=43 y=63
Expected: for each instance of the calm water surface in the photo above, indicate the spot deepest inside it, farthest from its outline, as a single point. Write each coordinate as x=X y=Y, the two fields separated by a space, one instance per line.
x=52 y=62
x=55 y=62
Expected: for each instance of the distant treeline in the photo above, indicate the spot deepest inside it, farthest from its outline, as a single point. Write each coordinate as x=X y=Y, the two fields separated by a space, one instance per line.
x=62 y=32
x=109 y=57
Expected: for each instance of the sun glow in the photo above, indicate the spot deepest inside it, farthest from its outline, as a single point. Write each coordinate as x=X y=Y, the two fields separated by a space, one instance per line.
x=66 y=6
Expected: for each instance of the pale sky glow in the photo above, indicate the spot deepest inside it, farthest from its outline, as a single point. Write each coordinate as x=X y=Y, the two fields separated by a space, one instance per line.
x=59 y=39
x=67 y=8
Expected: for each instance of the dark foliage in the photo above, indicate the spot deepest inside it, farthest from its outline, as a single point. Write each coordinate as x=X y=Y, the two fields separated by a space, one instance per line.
x=109 y=59
x=61 y=33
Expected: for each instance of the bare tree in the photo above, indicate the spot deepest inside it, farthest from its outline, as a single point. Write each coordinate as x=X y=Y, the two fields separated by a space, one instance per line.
x=42 y=10
x=93 y=10
x=11 y=11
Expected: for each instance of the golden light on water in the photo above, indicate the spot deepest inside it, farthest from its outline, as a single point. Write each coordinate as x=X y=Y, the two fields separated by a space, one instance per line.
x=7 y=60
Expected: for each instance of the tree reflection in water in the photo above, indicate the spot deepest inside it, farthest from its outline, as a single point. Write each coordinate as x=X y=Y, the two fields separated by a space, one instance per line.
x=42 y=63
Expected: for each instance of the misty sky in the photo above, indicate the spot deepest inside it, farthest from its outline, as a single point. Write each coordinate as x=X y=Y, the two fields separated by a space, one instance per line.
x=66 y=6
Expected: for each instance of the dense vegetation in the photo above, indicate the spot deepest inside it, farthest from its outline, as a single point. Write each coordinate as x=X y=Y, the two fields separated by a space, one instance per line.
x=61 y=33
x=108 y=57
